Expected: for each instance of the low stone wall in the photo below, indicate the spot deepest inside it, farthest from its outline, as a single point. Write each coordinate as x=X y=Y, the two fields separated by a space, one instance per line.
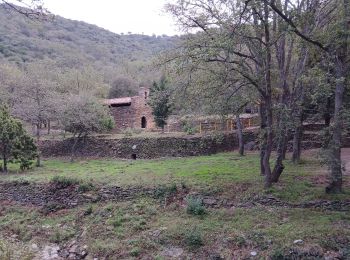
x=146 y=148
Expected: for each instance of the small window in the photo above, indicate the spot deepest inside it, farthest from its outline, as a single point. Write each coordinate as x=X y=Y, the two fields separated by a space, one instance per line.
x=145 y=95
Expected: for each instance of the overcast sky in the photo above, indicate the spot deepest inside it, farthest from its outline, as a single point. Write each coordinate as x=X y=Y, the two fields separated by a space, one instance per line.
x=119 y=16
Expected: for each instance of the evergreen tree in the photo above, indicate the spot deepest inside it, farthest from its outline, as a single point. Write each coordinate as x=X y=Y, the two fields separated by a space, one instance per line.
x=160 y=102
x=15 y=144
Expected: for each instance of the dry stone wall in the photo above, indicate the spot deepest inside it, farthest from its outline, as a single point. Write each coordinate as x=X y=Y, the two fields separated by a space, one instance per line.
x=146 y=148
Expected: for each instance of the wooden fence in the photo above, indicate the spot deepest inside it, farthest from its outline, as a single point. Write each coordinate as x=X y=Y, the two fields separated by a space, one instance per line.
x=228 y=125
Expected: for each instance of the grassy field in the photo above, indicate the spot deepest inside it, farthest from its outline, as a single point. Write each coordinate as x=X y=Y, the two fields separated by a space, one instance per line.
x=149 y=228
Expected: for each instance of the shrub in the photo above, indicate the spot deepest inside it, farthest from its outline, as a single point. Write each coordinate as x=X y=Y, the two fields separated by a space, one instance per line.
x=193 y=238
x=135 y=251
x=88 y=211
x=85 y=187
x=64 y=182
x=195 y=206
x=164 y=191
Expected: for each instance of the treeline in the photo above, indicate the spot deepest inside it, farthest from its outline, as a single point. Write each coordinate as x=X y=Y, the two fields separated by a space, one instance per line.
x=289 y=58
x=40 y=93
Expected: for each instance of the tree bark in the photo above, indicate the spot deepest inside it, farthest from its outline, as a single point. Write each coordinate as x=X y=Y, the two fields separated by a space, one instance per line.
x=4 y=157
x=297 y=137
x=336 y=168
x=342 y=68
x=38 y=158
x=268 y=99
x=327 y=115
x=240 y=136
x=76 y=140
x=282 y=139
x=263 y=137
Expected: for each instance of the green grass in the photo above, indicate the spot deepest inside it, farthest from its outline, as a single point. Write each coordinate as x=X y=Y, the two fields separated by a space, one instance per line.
x=225 y=173
x=144 y=227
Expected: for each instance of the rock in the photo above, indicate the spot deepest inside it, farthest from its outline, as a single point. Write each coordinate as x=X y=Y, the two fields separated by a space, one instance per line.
x=215 y=257
x=173 y=252
x=231 y=211
x=209 y=201
x=35 y=247
x=73 y=249
x=253 y=253
x=330 y=255
x=50 y=252
x=298 y=241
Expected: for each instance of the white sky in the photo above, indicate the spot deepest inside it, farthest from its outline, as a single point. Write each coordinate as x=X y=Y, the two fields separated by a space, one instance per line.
x=119 y=16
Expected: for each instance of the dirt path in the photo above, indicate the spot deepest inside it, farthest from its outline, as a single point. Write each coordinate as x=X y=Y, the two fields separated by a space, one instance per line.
x=346 y=160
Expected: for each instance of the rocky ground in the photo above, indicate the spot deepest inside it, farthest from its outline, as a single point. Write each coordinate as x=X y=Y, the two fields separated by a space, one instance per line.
x=192 y=217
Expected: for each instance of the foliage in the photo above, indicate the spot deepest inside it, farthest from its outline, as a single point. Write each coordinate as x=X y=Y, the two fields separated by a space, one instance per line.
x=164 y=191
x=193 y=238
x=195 y=206
x=15 y=144
x=64 y=182
x=84 y=115
x=123 y=87
x=160 y=101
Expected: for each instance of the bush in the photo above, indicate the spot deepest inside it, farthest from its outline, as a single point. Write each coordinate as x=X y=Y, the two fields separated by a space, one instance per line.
x=195 y=206
x=135 y=251
x=64 y=182
x=193 y=238
x=85 y=187
x=164 y=191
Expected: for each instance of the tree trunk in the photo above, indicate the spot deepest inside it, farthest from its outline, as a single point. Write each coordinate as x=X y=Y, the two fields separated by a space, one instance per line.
x=327 y=115
x=297 y=137
x=38 y=159
x=76 y=140
x=48 y=127
x=269 y=144
x=5 y=170
x=268 y=99
x=240 y=136
x=336 y=168
x=342 y=68
x=263 y=137
x=282 y=140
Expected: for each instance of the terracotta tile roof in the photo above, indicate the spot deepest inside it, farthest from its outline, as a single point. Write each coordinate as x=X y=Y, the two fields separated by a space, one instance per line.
x=117 y=101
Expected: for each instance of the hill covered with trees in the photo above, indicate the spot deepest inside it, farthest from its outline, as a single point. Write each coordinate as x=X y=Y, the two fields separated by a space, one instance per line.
x=74 y=44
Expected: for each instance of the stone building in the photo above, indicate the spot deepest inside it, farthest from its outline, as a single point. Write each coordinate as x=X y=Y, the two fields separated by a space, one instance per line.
x=132 y=112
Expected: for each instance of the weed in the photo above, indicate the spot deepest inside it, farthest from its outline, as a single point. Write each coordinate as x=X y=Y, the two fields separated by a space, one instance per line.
x=62 y=182
x=164 y=191
x=193 y=238
x=88 y=211
x=60 y=236
x=195 y=206
x=85 y=187
x=21 y=182
x=135 y=251
x=5 y=252
x=277 y=254
x=51 y=207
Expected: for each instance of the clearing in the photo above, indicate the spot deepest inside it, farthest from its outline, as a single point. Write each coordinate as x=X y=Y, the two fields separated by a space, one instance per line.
x=208 y=207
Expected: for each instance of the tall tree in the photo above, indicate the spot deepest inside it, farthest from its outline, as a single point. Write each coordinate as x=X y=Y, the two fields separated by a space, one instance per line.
x=160 y=102
x=334 y=15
